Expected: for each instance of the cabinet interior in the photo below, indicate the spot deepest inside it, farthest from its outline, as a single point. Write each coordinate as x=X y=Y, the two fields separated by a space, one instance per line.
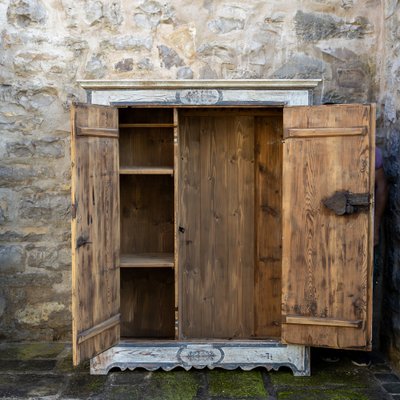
x=200 y=193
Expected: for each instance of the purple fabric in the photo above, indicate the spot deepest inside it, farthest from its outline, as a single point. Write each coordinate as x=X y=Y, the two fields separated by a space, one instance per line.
x=378 y=158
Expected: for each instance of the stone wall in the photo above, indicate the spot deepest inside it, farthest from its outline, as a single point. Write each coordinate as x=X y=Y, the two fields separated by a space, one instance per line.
x=389 y=137
x=46 y=45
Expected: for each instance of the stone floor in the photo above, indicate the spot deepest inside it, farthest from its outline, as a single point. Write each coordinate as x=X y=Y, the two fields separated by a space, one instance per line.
x=44 y=371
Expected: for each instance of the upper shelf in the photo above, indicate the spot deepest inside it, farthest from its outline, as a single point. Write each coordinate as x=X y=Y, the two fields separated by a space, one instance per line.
x=148 y=125
x=146 y=171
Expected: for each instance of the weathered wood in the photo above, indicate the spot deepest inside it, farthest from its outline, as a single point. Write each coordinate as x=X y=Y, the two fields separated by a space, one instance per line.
x=147 y=260
x=97 y=131
x=95 y=230
x=146 y=171
x=146 y=115
x=299 y=320
x=321 y=131
x=177 y=287
x=326 y=267
x=100 y=328
x=218 y=354
x=148 y=125
x=216 y=238
x=370 y=266
x=147 y=306
x=268 y=220
x=147 y=214
x=227 y=98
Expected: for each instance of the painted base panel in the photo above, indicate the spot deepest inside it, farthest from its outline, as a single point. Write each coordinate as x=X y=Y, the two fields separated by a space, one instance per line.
x=227 y=355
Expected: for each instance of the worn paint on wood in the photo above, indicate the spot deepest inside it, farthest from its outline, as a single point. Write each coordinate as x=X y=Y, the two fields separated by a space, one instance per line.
x=326 y=258
x=95 y=231
x=216 y=225
x=227 y=355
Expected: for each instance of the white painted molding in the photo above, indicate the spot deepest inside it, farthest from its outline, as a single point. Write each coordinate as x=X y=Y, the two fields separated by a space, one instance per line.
x=95 y=84
x=213 y=354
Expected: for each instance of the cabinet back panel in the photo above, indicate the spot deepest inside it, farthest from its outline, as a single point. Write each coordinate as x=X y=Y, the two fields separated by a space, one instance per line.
x=147 y=214
x=137 y=115
x=268 y=217
x=146 y=147
x=216 y=244
x=147 y=303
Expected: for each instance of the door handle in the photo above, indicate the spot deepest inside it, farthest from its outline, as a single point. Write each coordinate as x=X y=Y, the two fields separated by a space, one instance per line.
x=346 y=203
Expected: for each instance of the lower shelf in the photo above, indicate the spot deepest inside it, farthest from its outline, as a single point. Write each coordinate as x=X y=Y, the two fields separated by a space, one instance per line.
x=167 y=355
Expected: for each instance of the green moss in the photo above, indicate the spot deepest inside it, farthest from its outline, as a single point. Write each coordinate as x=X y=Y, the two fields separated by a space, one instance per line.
x=85 y=385
x=324 y=375
x=236 y=383
x=65 y=365
x=30 y=351
x=337 y=394
x=174 y=385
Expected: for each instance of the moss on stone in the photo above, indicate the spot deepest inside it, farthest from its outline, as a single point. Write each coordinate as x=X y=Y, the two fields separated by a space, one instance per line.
x=30 y=351
x=236 y=384
x=338 y=374
x=175 y=385
x=85 y=385
x=322 y=394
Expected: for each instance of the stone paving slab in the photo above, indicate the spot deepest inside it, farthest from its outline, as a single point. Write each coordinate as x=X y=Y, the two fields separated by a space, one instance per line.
x=45 y=371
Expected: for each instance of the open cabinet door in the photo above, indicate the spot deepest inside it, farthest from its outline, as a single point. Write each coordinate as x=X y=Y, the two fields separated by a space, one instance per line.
x=95 y=230
x=328 y=189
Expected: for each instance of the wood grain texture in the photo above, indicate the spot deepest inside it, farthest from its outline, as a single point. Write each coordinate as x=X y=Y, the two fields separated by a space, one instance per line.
x=146 y=171
x=147 y=309
x=95 y=230
x=177 y=287
x=216 y=224
x=146 y=147
x=326 y=263
x=147 y=214
x=147 y=260
x=268 y=220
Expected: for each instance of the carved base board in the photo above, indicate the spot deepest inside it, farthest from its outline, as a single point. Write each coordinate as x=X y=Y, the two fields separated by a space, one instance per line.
x=227 y=355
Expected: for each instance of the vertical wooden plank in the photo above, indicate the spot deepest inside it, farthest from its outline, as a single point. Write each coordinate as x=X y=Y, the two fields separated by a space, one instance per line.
x=241 y=187
x=95 y=231
x=176 y=214
x=189 y=223
x=326 y=271
x=219 y=282
x=370 y=271
x=268 y=220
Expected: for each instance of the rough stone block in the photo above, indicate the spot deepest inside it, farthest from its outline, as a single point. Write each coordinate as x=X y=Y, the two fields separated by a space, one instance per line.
x=124 y=65
x=11 y=259
x=312 y=27
x=169 y=57
x=301 y=66
x=26 y=12
x=30 y=386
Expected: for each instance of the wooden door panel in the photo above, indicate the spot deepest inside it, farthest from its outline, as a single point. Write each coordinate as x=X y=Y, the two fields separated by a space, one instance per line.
x=216 y=225
x=327 y=259
x=268 y=220
x=95 y=230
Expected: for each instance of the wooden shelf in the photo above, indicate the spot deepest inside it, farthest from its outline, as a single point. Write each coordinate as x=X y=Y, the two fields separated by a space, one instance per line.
x=147 y=125
x=146 y=171
x=147 y=260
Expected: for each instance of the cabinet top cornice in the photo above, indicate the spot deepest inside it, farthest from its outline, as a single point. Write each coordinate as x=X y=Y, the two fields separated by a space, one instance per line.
x=256 y=84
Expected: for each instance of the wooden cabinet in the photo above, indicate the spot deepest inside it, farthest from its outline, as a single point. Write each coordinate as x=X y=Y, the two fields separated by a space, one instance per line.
x=220 y=236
